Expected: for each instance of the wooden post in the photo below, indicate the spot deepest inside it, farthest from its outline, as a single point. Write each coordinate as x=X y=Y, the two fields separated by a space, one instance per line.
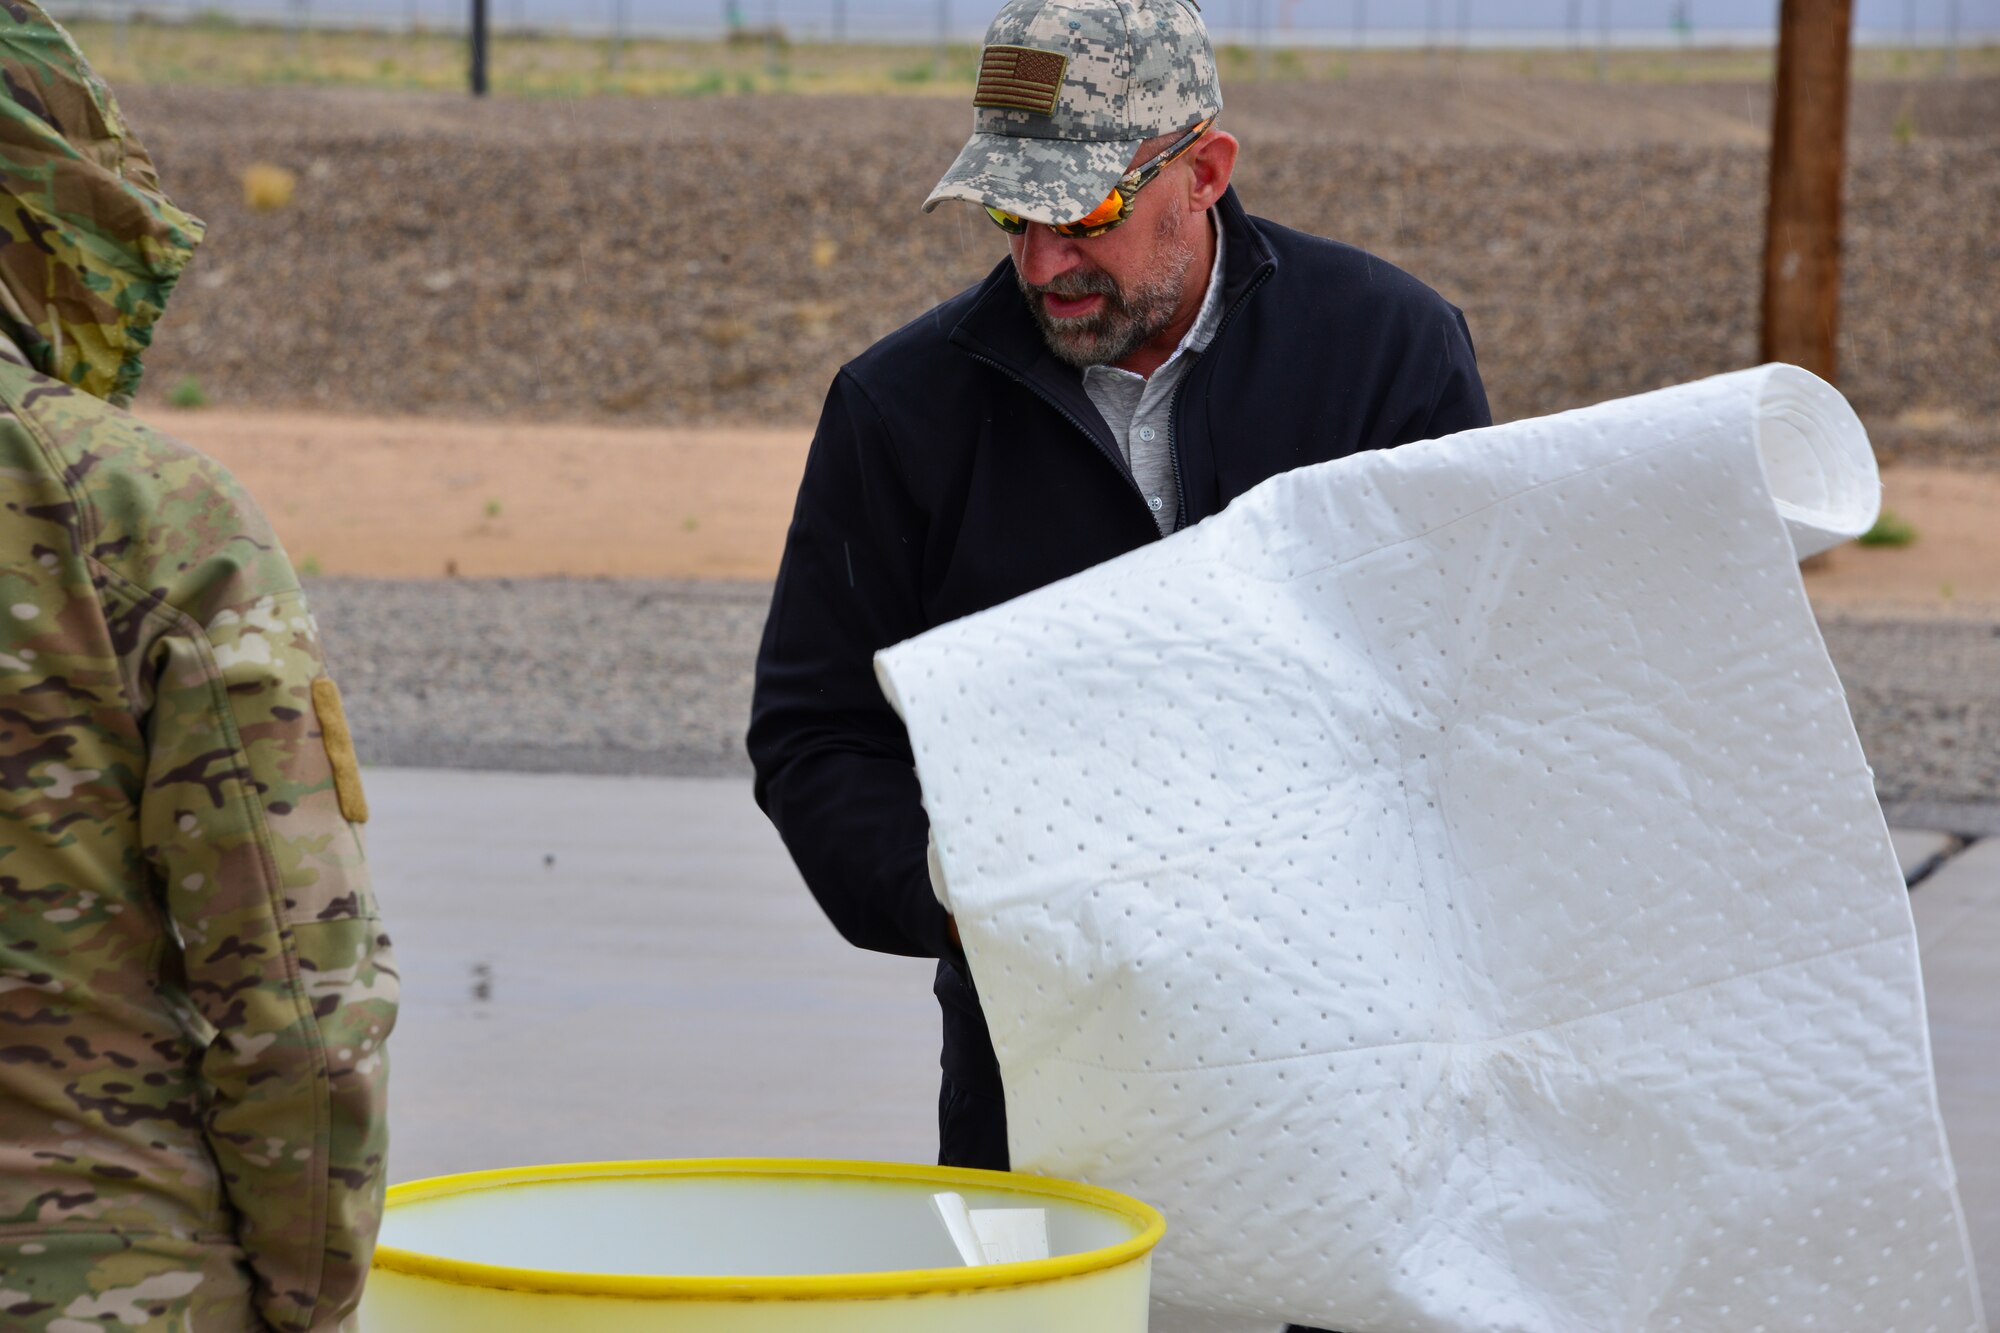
x=1808 y=161
x=478 y=48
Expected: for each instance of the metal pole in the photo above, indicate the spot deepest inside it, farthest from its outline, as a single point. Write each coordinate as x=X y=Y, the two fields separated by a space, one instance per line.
x=1603 y=40
x=1808 y=160
x=839 y=20
x=1464 y=23
x=1360 y=24
x=1951 y=39
x=479 y=48
x=621 y=19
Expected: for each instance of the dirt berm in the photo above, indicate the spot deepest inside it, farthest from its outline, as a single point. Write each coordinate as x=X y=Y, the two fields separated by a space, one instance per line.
x=713 y=261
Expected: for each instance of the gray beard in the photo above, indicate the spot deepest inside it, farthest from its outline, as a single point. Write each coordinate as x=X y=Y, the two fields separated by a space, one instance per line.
x=1126 y=321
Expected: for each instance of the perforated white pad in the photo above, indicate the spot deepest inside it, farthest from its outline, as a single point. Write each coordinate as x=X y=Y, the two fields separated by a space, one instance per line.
x=1448 y=884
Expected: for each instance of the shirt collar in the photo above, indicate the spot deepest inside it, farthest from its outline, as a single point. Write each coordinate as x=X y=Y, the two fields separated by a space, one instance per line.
x=1210 y=315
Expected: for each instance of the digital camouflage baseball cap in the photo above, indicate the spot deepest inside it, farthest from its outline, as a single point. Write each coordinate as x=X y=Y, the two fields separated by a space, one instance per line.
x=1068 y=90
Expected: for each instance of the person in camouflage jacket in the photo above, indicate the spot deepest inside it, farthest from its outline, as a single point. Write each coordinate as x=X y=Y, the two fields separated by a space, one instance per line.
x=194 y=984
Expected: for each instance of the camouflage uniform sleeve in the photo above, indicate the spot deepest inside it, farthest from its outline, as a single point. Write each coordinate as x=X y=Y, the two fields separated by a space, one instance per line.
x=250 y=815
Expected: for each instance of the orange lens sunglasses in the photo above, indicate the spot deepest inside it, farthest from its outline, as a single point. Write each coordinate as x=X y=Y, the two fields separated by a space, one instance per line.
x=1117 y=206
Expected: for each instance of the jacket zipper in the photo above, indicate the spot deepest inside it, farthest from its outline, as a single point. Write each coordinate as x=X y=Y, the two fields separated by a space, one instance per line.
x=1174 y=411
x=1110 y=456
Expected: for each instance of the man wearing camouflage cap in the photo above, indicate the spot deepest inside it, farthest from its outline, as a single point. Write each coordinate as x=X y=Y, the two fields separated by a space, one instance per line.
x=194 y=985
x=1146 y=352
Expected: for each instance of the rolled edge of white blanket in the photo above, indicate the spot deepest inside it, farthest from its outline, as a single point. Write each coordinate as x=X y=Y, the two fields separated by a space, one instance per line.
x=1816 y=458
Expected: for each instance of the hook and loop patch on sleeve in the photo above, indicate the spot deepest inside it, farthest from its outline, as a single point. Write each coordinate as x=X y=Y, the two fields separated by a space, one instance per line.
x=340 y=750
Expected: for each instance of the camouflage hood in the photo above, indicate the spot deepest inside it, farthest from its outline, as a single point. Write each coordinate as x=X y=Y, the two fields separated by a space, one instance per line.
x=90 y=247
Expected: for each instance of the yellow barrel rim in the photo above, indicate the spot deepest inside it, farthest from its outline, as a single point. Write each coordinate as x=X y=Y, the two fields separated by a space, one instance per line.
x=808 y=1287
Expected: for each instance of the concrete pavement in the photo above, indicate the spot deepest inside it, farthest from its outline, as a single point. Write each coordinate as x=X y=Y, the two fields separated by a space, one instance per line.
x=1957 y=907
x=663 y=987
x=625 y=967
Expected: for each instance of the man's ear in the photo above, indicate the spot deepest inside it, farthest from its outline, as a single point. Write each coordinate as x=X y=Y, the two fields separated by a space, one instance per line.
x=1209 y=163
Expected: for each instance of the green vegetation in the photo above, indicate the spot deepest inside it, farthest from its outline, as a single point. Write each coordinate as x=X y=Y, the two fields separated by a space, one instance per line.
x=1889 y=530
x=217 y=51
x=188 y=393
x=309 y=567
x=1904 y=128
x=492 y=509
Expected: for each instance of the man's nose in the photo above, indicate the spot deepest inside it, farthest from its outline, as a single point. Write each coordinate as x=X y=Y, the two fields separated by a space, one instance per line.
x=1041 y=255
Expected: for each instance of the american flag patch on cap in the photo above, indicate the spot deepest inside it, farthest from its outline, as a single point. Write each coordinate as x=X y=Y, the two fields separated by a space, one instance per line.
x=1020 y=78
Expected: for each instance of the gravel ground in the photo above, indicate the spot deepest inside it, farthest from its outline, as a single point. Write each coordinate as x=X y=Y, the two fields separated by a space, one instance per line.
x=713 y=261
x=1926 y=700
x=613 y=676
x=565 y=676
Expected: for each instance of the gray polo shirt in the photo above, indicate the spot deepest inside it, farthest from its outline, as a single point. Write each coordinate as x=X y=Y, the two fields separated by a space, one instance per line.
x=1139 y=408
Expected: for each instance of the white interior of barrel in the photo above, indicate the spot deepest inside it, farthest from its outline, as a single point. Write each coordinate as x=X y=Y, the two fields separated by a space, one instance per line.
x=709 y=1226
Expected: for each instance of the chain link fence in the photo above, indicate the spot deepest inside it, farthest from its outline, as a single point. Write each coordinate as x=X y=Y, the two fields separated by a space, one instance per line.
x=1518 y=23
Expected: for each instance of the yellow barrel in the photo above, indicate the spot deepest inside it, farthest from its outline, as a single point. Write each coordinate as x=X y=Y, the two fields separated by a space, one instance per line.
x=736 y=1245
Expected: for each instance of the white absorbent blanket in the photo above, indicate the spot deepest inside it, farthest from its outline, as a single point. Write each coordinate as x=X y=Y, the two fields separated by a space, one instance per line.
x=1448 y=884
